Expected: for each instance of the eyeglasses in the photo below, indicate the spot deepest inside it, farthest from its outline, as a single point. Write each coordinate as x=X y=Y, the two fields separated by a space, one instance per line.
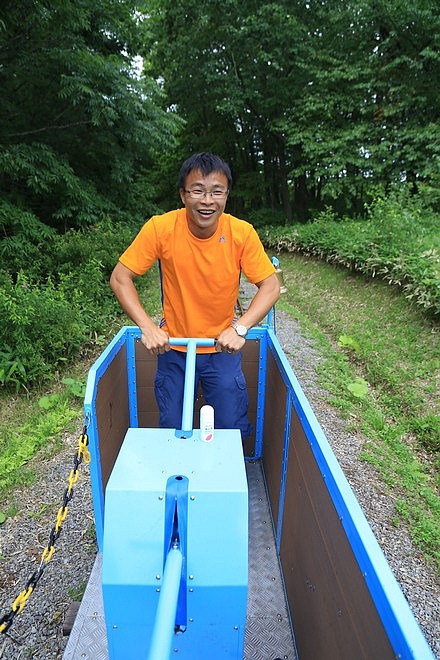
x=198 y=193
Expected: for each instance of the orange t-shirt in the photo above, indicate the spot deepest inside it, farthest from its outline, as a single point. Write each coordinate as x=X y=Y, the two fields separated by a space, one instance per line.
x=200 y=277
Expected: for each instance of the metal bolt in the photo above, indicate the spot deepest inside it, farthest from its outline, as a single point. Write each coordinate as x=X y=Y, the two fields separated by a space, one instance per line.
x=191 y=590
x=161 y=497
x=157 y=577
x=192 y=498
x=115 y=627
x=191 y=577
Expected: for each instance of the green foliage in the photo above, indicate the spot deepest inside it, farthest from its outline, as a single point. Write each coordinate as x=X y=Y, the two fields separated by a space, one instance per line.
x=79 y=127
x=42 y=326
x=348 y=342
x=358 y=388
x=399 y=241
x=312 y=103
x=63 y=197
x=23 y=236
x=49 y=314
x=75 y=388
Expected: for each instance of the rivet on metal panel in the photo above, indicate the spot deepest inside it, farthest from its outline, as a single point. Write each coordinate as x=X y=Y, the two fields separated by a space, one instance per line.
x=191 y=620
x=161 y=497
x=157 y=577
x=191 y=590
x=192 y=498
x=191 y=577
x=115 y=627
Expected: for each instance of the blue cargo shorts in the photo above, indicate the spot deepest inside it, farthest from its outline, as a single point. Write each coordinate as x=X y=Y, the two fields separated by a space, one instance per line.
x=223 y=384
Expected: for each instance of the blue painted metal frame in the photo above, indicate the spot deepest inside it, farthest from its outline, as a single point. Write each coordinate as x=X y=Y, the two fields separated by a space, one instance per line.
x=131 y=335
x=403 y=630
x=260 y=334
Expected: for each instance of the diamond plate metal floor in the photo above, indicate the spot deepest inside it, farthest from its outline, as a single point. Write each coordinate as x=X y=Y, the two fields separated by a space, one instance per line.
x=268 y=633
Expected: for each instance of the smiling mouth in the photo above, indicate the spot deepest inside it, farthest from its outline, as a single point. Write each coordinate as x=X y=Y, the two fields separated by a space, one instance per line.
x=205 y=213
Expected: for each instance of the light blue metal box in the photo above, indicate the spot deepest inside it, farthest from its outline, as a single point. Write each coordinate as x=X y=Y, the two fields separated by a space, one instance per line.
x=160 y=481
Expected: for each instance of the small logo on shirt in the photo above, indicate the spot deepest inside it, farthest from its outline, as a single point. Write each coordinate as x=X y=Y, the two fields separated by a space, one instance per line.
x=222 y=239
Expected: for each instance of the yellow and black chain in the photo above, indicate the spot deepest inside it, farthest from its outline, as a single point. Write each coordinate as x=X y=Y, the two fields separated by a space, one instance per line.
x=82 y=454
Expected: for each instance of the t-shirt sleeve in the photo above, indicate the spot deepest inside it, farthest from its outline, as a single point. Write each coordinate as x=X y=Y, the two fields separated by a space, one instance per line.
x=255 y=263
x=143 y=251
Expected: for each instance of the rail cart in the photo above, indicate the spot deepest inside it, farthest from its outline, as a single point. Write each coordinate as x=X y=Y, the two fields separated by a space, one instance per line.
x=219 y=550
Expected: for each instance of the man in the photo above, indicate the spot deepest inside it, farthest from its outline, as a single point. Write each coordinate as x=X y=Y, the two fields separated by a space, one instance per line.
x=202 y=252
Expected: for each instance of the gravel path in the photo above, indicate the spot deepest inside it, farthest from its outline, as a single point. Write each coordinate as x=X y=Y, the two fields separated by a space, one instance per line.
x=38 y=631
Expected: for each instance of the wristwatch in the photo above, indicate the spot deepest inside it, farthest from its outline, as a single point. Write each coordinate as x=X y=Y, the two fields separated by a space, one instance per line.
x=241 y=330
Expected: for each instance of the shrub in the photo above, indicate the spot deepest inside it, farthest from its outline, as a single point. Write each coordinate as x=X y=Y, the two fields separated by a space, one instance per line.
x=398 y=241
x=49 y=314
x=39 y=328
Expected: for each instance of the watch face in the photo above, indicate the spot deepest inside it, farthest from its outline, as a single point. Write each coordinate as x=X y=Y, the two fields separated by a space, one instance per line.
x=241 y=330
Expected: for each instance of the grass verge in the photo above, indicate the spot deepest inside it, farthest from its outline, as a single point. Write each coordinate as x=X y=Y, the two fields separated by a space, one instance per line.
x=380 y=370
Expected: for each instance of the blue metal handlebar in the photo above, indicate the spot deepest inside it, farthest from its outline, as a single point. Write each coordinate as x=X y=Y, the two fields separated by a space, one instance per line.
x=190 y=374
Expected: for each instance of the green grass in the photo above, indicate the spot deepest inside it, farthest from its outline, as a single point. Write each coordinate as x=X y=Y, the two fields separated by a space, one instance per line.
x=34 y=429
x=393 y=348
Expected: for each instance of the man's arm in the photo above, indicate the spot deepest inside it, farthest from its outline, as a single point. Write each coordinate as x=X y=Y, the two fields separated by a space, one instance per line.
x=122 y=284
x=265 y=298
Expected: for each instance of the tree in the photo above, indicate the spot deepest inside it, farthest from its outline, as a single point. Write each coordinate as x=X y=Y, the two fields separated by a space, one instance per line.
x=79 y=128
x=312 y=103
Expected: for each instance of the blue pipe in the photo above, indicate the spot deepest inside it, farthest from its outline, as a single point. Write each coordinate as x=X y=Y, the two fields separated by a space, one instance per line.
x=188 y=392
x=163 y=630
x=190 y=375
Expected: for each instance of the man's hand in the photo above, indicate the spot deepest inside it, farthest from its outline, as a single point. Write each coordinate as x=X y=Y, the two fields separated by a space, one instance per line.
x=229 y=342
x=155 y=340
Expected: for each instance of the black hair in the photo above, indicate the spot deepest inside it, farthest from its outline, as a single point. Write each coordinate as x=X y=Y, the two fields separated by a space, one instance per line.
x=206 y=163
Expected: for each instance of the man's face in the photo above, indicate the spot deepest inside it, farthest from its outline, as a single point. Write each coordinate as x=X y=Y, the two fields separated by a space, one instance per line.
x=203 y=213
